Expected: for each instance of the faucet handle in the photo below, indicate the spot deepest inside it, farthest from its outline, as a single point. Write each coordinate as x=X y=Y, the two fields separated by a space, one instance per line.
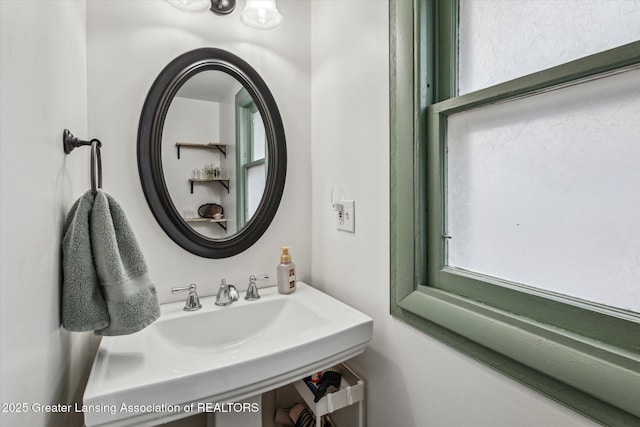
x=252 y=290
x=191 y=288
x=193 y=301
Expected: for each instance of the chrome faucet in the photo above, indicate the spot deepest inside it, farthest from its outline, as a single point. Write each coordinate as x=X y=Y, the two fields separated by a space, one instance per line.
x=252 y=290
x=226 y=294
x=193 y=302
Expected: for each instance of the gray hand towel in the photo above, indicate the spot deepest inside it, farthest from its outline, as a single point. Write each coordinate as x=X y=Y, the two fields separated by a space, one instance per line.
x=83 y=307
x=106 y=285
x=127 y=289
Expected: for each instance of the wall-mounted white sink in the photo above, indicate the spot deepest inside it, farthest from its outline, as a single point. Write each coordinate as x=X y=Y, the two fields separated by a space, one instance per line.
x=219 y=354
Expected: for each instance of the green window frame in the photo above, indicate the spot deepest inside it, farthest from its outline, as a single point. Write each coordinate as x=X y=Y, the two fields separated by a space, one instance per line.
x=583 y=355
x=245 y=108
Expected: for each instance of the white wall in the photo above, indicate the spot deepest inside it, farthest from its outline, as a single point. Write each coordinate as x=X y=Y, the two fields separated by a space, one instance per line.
x=413 y=380
x=44 y=90
x=128 y=45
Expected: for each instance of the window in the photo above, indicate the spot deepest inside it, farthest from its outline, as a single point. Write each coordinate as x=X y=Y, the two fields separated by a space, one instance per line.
x=574 y=347
x=251 y=158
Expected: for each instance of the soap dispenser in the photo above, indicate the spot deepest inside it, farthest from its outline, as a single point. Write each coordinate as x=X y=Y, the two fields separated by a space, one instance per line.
x=286 y=273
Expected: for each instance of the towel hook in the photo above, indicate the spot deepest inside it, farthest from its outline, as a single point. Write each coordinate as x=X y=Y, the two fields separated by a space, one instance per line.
x=71 y=142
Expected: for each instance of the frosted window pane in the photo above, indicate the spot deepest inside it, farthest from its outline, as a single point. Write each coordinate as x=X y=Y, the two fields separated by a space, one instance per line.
x=256 y=181
x=545 y=191
x=500 y=40
x=259 y=140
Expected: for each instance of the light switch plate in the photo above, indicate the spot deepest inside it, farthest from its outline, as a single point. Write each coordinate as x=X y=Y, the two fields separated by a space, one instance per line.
x=347 y=218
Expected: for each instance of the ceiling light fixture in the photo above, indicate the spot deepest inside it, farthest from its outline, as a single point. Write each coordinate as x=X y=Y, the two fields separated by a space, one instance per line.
x=261 y=14
x=219 y=7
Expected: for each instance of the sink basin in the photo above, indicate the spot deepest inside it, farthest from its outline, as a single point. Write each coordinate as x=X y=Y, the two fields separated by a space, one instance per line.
x=223 y=329
x=219 y=354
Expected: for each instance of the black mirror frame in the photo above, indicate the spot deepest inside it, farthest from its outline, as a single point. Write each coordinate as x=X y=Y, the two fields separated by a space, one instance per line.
x=152 y=119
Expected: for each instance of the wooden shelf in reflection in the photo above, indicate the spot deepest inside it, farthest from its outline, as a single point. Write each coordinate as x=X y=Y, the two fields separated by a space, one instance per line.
x=210 y=146
x=223 y=181
x=221 y=222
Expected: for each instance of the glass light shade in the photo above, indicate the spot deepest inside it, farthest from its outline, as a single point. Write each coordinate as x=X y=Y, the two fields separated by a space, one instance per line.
x=191 y=5
x=261 y=14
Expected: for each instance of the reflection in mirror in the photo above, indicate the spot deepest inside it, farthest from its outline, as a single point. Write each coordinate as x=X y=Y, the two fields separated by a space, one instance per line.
x=214 y=157
x=212 y=148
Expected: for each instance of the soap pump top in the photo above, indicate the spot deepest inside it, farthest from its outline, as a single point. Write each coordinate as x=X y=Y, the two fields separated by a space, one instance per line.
x=285 y=258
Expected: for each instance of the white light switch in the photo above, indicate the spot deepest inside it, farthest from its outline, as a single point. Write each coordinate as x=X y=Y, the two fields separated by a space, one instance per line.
x=347 y=218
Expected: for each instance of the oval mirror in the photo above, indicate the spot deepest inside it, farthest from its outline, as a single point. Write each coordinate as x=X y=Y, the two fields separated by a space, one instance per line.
x=211 y=153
